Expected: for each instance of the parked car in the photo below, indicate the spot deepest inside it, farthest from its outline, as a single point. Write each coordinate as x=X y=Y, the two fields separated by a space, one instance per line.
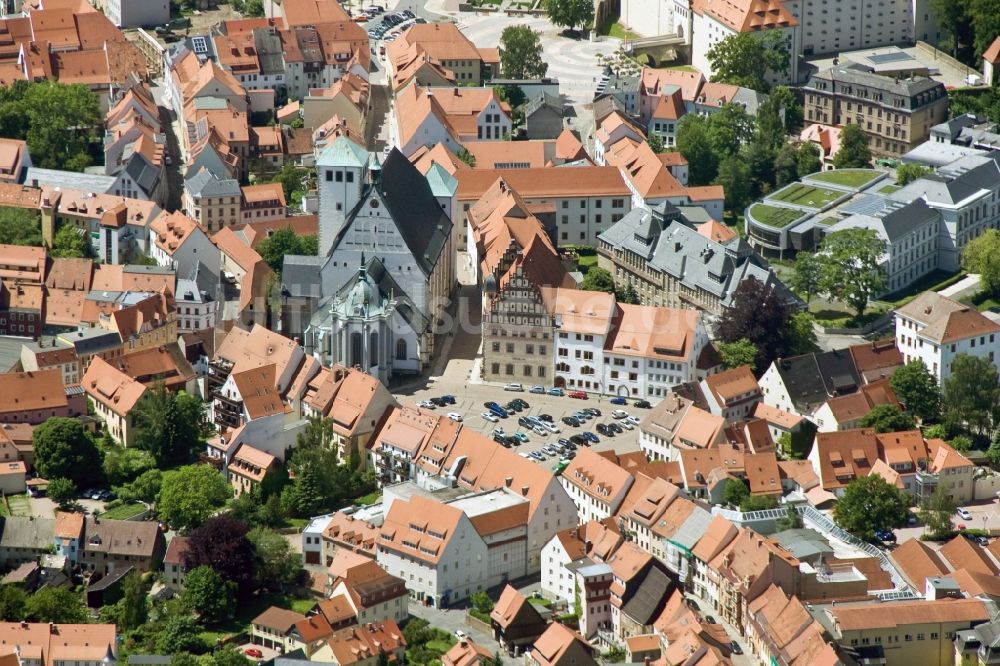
x=539 y=430
x=548 y=450
x=563 y=441
x=426 y=404
x=963 y=513
x=619 y=414
x=448 y=399
x=254 y=652
x=545 y=417
x=615 y=428
x=490 y=416
x=579 y=395
x=556 y=391
x=571 y=421
x=522 y=402
x=550 y=427
x=498 y=431
x=885 y=536
x=525 y=454
x=513 y=387
x=570 y=446
x=634 y=420
x=538 y=456
x=709 y=619
x=513 y=407
x=460 y=635
x=618 y=400
x=735 y=647
x=512 y=441
x=624 y=423
x=569 y=455
x=593 y=411
x=582 y=416
x=591 y=437
x=604 y=430
x=536 y=389
x=521 y=437
x=579 y=440
x=524 y=422
x=642 y=404
x=455 y=416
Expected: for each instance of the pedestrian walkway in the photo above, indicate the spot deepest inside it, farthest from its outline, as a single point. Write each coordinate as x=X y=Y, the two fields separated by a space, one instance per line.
x=967 y=286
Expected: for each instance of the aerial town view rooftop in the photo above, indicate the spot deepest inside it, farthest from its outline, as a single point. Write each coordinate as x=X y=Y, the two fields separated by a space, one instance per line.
x=483 y=332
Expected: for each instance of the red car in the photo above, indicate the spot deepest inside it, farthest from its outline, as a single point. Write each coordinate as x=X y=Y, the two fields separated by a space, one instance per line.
x=579 y=395
x=253 y=652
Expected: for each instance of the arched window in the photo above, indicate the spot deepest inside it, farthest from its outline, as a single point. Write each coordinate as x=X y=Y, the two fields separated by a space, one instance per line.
x=357 y=357
x=401 y=350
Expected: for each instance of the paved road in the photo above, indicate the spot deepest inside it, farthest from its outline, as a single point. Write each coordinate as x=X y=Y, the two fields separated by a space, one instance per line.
x=452 y=620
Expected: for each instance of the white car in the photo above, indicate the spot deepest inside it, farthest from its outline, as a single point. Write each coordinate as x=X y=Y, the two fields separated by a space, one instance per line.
x=551 y=427
x=539 y=430
x=426 y=404
x=499 y=431
x=455 y=416
x=619 y=414
x=963 y=513
x=634 y=420
x=490 y=416
x=626 y=424
x=459 y=634
x=513 y=387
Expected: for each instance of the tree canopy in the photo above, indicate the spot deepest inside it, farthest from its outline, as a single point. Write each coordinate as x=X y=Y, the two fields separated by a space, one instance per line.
x=918 y=390
x=598 y=279
x=521 y=53
x=169 y=425
x=936 y=512
x=69 y=243
x=208 y=595
x=970 y=395
x=806 y=278
x=854 y=152
x=570 y=13
x=20 y=226
x=277 y=565
x=285 y=241
x=851 y=269
x=189 y=495
x=222 y=544
x=746 y=58
x=887 y=418
x=738 y=353
x=64 y=449
x=907 y=173
x=758 y=314
x=870 y=504
x=694 y=144
x=982 y=255
x=58 y=121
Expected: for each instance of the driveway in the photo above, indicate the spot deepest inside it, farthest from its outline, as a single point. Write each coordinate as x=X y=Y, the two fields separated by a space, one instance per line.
x=452 y=620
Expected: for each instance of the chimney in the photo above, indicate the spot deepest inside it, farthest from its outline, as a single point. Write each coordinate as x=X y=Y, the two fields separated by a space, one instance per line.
x=508 y=481
x=524 y=490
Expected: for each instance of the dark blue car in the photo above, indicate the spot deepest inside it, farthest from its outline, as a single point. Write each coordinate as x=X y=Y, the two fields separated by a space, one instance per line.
x=591 y=436
x=618 y=400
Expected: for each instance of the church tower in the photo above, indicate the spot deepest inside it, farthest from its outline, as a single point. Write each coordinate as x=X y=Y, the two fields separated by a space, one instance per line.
x=341 y=177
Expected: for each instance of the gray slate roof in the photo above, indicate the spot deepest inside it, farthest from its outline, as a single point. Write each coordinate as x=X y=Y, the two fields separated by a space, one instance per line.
x=72 y=180
x=300 y=276
x=27 y=533
x=205 y=184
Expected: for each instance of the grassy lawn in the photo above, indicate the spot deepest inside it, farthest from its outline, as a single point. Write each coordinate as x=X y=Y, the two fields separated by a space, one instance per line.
x=811 y=196
x=619 y=31
x=19 y=505
x=846 y=177
x=297 y=523
x=888 y=189
x=369 y=499
x=536 y=601
x=439 y=645
x=984 y=302
x=124 y=512
x=835 y=317
x=828 y=221
x=773 y=216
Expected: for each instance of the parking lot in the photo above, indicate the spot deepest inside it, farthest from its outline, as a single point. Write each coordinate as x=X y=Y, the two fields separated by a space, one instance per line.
x=470 y=405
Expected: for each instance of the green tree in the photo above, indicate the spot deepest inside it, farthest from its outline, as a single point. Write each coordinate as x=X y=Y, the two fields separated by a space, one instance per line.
x=627 y=295
x=970 y=395
x=993 y=453
x=807 y=275
x=63 y=449
x=854 y=152
x=961 y=443
x=570 y=13
x=907 y=173
x=735 y=492
x=729 y=129
x=985 y=20
x=61 y=491
x=936 y=512
x=169 y=425
x=521 y=53
x=918 y=390
x=13 y=603
x=953 y=17
x=982 y=255
x=144 y=488
x=851 y=267
x=69 y=243
x=124 y=465
x=694 y=144
x=134 y=603
x=229 y=656
x=19 y=226
x=738 y=353
x=809 y=159
x=61 y=123
x=292 y=179
x=887 y=418
x=283 y=241
x=222 y=544
x=180 y=634
x=655 y=142
x=734 y=176
x=467 y=157
x=598 y=279
x=786 y=166
x=802 y=335
x=56 y=604
x=869 y=504
x=758 y=503
x=191 y=494
x=277 y=564
x=208 y=595
x=746 y=59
